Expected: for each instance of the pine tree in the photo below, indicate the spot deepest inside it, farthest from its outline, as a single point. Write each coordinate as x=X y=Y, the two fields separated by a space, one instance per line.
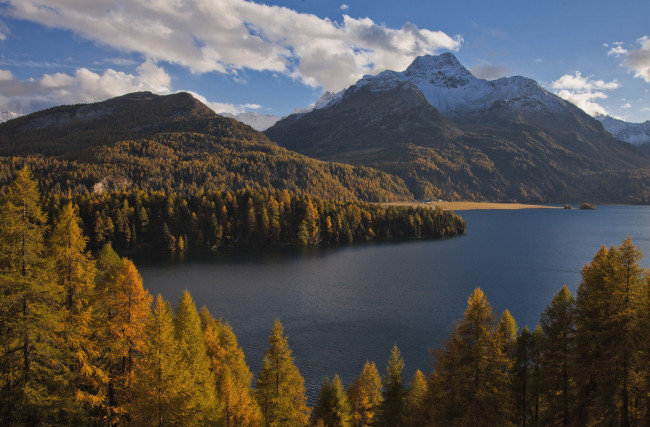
x=558 y=325
x=33 y=377
x=522 y=372
x=393 y=403
x=332 y=408
x=74 y=270
x=280 y=387
x=162 y=382
x=609 y=305
x=187 y=326
x=416 y=411
x=233 y=377
x=470 y=383
x=365 y=395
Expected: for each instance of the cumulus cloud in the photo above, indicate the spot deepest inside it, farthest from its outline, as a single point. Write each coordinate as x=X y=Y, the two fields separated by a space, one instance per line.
x=490 y=72
x=344 y=6
x=583 y=91
x=84 y=85
x=229 y=35
x=617 y=51
x=626 y=106
x=639 y=60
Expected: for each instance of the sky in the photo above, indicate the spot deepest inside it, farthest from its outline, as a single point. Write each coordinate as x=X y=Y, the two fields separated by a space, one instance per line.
x=273 y=57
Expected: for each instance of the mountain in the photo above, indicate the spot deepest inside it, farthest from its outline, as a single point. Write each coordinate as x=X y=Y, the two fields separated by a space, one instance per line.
x=171 y=143
x=257 y=121
x=448 y=134
x=634 y=133
x=8 y=115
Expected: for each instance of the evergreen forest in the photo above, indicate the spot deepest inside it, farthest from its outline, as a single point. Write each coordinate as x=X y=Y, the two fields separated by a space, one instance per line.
x=82 y=342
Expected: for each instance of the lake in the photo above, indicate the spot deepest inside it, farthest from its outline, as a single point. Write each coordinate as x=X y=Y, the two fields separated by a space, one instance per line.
x=341 y=306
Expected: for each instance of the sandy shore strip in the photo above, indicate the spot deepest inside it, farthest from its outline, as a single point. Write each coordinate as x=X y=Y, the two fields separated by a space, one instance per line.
x=466 y=206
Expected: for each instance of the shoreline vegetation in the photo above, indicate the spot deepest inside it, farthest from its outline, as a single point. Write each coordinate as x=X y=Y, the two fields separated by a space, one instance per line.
x=84 y=343
x=465 y=205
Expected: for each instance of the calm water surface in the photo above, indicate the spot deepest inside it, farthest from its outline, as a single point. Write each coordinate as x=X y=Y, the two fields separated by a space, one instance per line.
x=341 y=306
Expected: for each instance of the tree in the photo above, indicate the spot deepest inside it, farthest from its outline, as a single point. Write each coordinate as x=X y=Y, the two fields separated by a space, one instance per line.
x=33 y=376
x=470 y=382
x=127 y=309
x=609 y=306
x=332 y=408
x=415 y=414
x=187 y=327
x=558 y=326
x=393 y=403
x=233 y=377
x=162 y=383
x=74 y=270
x=365 y=395
x=280 y=387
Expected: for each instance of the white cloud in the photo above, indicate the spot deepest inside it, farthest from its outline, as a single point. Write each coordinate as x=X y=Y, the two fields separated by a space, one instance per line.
x=490 y=71
x=344 y=7
x=617 y=51
x=583 y=91
x=626 y=106
x=83 y=86
x=639 y=60
x=229 y=35
x=219 y=107
x=539 y=60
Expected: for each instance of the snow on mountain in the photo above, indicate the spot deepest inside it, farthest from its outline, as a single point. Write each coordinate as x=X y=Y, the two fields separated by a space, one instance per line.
x=259 y=122
x=634 y=133
x=451 y=88
x=8 y=115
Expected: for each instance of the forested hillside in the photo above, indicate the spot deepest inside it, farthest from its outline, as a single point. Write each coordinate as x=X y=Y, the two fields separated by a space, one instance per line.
x=174 y=144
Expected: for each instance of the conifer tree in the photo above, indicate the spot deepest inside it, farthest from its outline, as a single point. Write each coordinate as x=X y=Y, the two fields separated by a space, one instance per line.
x=280 y=387
x=470 y=383
x=332 y=408
x=162 y=384
x=187 y=327
x=33 y=376
x=127 y=308
x=392 y=406
x=74 y=270
x=609 y=304
x=233 y=377
x=558 y=325
x=522 y=372
x=365 y=395
x=415 y=410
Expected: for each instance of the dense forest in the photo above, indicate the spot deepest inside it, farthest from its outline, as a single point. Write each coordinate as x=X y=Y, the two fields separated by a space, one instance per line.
x=82 y=342
x=141 y=221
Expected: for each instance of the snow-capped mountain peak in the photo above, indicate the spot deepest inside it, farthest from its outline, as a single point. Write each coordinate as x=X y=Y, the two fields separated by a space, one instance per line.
x=451 y=88
x=634 y=133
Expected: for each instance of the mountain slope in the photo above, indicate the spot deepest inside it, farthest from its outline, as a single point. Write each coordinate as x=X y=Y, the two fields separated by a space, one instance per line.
x=171 y=143
x=449 y=134
x=634 y=133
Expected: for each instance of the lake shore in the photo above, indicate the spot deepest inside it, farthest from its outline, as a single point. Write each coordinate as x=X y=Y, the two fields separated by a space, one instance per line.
x=466 y=205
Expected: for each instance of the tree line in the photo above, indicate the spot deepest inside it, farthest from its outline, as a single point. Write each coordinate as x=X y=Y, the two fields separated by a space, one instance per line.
x=83 y=343
x=144 y=221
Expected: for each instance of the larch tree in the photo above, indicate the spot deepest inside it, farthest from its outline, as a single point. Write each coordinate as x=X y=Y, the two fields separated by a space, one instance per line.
x=415 y=414
x=187 y=326
x=470 y=383
x=393 y=403
x=162 y=384
x=609 y=306
x=332 y=407
x=129 y=308
x=558 y=326
x=280 y=387
x=33 y=376
x=365 y=396
x=233 y=377
x=74 y=270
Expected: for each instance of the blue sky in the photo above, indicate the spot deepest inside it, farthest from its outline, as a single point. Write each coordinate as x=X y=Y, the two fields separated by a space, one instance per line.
x=272 y=57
